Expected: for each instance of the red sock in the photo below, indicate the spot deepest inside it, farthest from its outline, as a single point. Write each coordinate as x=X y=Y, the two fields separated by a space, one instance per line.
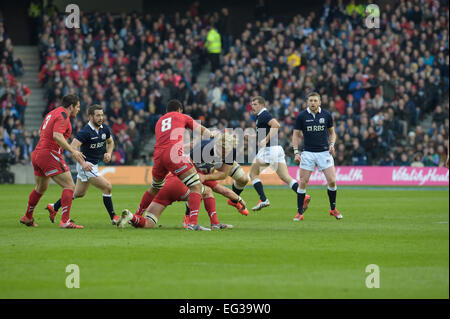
x=32 y=202
x=138 y=221
x=195 y=199
x=66 y=203
x=146 y=200
x=210 y=206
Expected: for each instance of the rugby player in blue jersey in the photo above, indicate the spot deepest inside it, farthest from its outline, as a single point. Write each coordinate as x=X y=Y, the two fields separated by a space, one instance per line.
x=96 y=144
x=270 y=153
x=316 y=126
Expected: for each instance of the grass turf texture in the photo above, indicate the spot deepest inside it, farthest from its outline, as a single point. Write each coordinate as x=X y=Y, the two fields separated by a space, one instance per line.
x=266 y=255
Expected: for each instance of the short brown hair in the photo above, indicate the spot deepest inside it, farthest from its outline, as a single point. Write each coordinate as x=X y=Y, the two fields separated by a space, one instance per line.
x=93 y=108
x=70 y=99
x=173 y=106
x=313 y=94
x=259 y=99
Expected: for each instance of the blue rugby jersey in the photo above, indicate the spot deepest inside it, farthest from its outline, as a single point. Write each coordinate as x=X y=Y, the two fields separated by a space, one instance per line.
x=93 y=142
x=315 y=129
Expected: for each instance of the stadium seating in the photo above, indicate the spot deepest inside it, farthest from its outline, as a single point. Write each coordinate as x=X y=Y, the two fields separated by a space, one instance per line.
x=380 y=84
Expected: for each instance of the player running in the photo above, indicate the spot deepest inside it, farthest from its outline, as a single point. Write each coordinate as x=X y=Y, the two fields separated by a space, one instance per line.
x=215 y=160
x=172 y=191
x=319 y=138
x=169 y=156
x=270 y=153
x=48 y=161
x=96 y=144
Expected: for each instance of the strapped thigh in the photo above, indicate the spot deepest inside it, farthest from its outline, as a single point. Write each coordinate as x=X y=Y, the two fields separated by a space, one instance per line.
x=191 y=180
x=158 y=184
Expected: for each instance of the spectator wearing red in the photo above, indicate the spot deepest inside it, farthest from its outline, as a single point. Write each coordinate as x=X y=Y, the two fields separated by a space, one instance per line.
x=119 y=126
x=339 y=103
x=23 y=92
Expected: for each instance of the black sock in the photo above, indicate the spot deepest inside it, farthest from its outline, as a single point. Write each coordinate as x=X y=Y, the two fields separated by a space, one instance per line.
x=187 y=212
x=259 y=188
x=237 y=191
x=332 y=197
x=300 y=202
x=295 y=187
x=57 y=205
x=107 y=200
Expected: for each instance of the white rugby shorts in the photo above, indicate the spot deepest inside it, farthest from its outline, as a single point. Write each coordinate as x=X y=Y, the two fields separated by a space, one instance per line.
x=271 y=155
x=309 y=160
x=83 y=175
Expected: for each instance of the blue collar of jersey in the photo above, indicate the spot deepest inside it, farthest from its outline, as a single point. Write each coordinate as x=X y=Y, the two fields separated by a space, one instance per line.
x=264 y=109
x=93 y=127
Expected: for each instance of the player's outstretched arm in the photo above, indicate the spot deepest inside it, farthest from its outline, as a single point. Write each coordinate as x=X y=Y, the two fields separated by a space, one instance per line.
x=296 y=136
x=77 y=155
x=228 y=193
x=203 y=131
x=219 y=174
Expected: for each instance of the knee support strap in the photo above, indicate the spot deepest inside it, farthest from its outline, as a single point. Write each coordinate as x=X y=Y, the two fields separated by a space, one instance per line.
x=191 y=180
x=151 y=216
x=158 y=184
x=237 y=172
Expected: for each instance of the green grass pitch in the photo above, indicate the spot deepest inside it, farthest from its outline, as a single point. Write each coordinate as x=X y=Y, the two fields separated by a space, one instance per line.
x=267 y=255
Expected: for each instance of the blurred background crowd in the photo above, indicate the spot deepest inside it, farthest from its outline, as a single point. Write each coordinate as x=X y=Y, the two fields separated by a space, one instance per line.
x=382 y=85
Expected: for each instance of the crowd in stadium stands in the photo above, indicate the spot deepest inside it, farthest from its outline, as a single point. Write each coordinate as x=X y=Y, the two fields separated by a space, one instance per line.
x=380 y=84
x=14 y=95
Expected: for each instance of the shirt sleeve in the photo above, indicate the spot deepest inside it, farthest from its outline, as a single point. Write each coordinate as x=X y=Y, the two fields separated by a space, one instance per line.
x=82 y=136
x=330 y=120
x=190 y=123
x=107 y=131
x=267 y=117
x=61 y=124
x=298 y=123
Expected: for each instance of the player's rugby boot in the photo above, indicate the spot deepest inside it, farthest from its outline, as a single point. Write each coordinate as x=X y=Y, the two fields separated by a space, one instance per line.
x=115 y=220
x=221 y=226
x=197 y=227
x=125 y=218
x=70 y=224
x=336 y=214
x=231 y=203
x=299 y=216
x=261 y=204
x=28 y=222
x=306 y=203
x=51 y=212
x=186 y=221
x=242 y=210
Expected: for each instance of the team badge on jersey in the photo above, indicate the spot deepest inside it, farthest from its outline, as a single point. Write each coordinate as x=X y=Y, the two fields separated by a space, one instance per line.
x=103 y=136
x=322 y=120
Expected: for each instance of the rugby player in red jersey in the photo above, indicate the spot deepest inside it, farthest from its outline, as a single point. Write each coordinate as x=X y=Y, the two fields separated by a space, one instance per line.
x=169 y=156
x=48 y=161
x=174 y=190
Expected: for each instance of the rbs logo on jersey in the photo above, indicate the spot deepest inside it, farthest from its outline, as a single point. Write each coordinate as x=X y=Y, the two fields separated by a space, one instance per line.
x=97 y=145
x=315 y=128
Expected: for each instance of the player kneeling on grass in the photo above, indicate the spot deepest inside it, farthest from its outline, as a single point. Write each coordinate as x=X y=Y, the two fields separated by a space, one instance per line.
x=172 y=191
x=96 y=144
x=214 y=160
